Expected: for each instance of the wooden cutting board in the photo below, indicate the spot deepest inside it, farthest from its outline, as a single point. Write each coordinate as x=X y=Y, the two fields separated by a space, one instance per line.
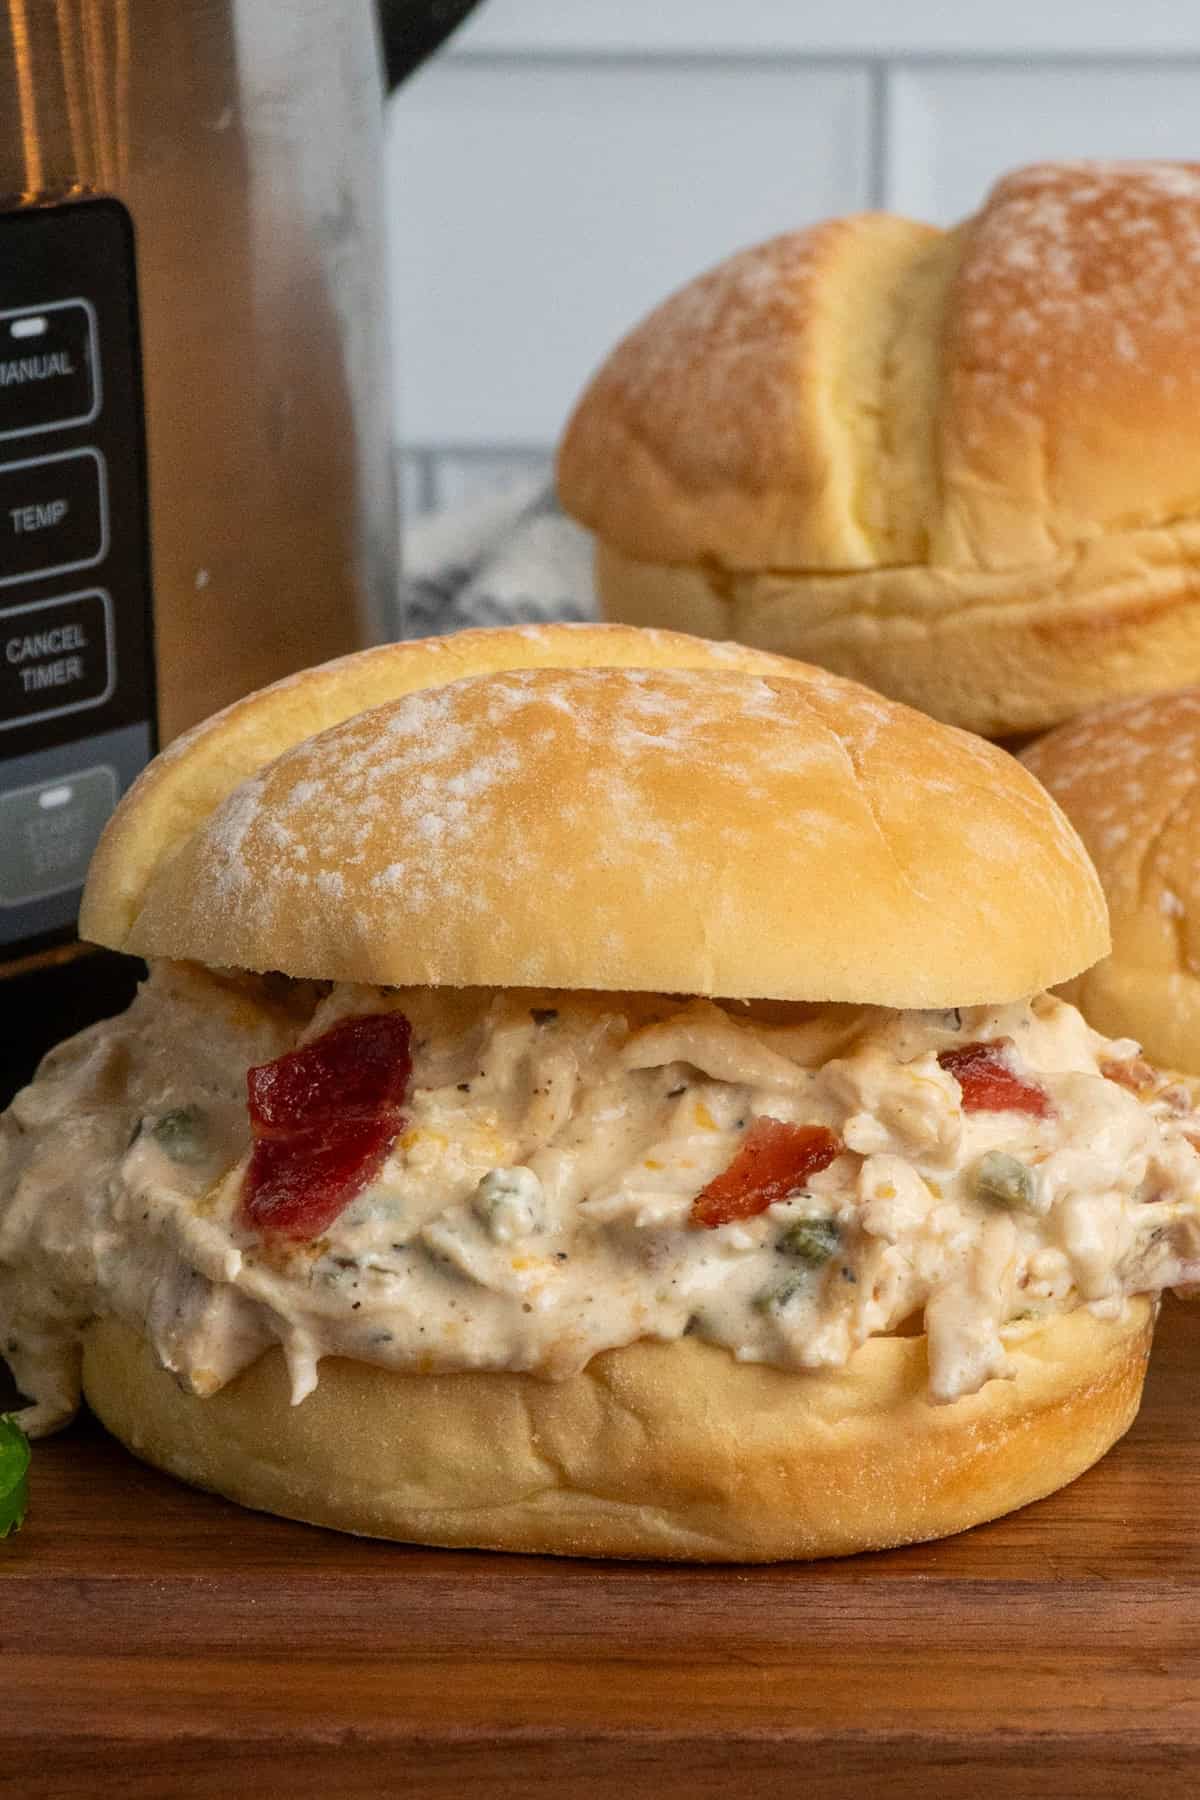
x=155 y=1641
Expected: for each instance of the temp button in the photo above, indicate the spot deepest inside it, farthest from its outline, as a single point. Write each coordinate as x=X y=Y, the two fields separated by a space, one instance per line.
x=56 y=656
x=53 y=514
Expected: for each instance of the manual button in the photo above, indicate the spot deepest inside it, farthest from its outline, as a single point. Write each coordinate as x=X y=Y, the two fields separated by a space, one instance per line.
x=53 y=515
x=49 y=367
x=56 y=656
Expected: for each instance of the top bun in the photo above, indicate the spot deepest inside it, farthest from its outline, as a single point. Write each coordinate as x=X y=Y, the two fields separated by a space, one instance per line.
x=1127 y=777
x=703 y=830
x=183 y=785
x=955 y=465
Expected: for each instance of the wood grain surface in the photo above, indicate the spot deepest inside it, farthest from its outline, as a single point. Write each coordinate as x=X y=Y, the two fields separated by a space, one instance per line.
x=156 y=1641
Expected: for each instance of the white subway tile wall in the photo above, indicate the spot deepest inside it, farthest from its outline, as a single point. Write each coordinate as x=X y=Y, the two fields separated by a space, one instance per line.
x=464 y=475
x=544 y=205
x=868 y=27
x=563 y=165
x=951 y=130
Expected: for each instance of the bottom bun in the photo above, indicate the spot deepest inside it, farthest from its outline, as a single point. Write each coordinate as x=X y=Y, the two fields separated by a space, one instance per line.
x=656 y=1450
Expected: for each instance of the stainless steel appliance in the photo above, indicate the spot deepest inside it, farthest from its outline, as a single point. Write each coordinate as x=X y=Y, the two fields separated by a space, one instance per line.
x=195 y=483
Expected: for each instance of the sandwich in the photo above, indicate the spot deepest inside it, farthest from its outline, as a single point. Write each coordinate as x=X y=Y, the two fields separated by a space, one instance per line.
x=595 y=1093
x=955 y=465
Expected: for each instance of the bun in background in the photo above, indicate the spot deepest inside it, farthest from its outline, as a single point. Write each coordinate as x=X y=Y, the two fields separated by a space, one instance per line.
x=959 y=466
x=1128 y=778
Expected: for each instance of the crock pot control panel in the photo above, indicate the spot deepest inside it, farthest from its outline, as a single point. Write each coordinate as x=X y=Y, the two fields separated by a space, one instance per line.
x=77 y=719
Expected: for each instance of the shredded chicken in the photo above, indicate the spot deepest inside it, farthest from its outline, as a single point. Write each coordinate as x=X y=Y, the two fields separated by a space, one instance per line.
x=537 y=1205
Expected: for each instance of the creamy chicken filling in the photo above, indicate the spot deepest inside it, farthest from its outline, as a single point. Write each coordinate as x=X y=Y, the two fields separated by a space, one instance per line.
x=537 y=1205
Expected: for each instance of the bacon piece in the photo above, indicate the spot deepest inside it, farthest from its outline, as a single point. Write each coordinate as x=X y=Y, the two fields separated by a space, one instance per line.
x=988 y=1083
x=773 y=1161
x=357 y=1069
x=297 y=1186
x=323 y=1119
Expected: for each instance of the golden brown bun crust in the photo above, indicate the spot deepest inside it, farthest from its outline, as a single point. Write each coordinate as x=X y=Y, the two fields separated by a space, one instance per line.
x=717 y=430
x=653 y=1451
x=674 y=831
x=1129 y=777
x=958 y=466
x=183 y=785
x=994 y=653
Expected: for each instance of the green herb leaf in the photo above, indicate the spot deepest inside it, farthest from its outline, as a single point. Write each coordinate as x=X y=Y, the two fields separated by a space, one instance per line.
x=14 y=1468
x=812 y=1240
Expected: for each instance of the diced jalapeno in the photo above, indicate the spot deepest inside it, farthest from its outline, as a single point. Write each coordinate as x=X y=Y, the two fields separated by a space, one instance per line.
x=14 y=1466
x=180 y=1134
x=1001 y=1180
x=812 y=1240
x=775 y=1299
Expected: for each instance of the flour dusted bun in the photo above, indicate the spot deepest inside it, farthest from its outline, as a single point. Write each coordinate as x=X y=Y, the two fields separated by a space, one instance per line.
x=183 y=785
x=1127 y=777
x=686 y=830
x=609 y=809
x=960 y=466
x=655 y=1450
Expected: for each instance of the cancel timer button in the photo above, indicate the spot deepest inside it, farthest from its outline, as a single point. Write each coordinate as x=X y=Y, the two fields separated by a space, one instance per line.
x=56 y=656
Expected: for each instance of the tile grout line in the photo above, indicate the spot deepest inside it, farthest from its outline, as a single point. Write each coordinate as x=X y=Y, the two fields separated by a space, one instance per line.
x=879 y=173
x=1017 y=57
x=427 y=481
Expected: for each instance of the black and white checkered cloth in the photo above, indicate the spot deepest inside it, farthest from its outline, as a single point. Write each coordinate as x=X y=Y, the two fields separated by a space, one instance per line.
x=509 y=559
